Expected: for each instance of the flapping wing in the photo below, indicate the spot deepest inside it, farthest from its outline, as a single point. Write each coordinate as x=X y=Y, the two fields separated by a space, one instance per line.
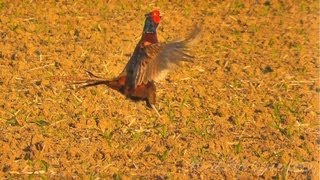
x=157 y=59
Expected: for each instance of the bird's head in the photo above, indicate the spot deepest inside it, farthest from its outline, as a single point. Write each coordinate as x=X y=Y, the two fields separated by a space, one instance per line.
x=152 y=21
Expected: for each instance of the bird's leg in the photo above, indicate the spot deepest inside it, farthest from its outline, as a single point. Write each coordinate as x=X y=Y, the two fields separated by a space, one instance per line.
x=150 y=105
x=155 y=109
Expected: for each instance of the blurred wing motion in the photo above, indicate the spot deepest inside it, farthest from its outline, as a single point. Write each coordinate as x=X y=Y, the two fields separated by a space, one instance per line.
x=157 y=59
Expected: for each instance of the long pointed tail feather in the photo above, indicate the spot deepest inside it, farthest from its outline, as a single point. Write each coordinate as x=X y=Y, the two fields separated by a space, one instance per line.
x=83 y=82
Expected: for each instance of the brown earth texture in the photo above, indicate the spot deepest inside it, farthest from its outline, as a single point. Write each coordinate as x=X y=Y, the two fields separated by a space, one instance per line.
x=247 y=107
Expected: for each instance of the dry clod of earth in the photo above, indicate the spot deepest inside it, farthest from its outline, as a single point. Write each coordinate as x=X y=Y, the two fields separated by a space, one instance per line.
x=248 y=107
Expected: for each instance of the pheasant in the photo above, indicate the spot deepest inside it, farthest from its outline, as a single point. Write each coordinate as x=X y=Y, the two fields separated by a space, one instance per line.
x=149 y=62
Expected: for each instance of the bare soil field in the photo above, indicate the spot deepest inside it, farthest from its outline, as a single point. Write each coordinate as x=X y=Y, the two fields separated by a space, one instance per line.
x=247 y=107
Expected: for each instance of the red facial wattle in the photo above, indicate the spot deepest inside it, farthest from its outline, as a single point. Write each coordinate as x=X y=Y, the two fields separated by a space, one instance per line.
x=155 y=15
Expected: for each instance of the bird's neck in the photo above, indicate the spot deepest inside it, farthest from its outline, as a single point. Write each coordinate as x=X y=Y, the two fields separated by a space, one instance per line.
x=149 y=38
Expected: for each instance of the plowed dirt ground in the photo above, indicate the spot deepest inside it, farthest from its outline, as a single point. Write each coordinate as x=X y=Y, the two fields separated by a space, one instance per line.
x=248 y=107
